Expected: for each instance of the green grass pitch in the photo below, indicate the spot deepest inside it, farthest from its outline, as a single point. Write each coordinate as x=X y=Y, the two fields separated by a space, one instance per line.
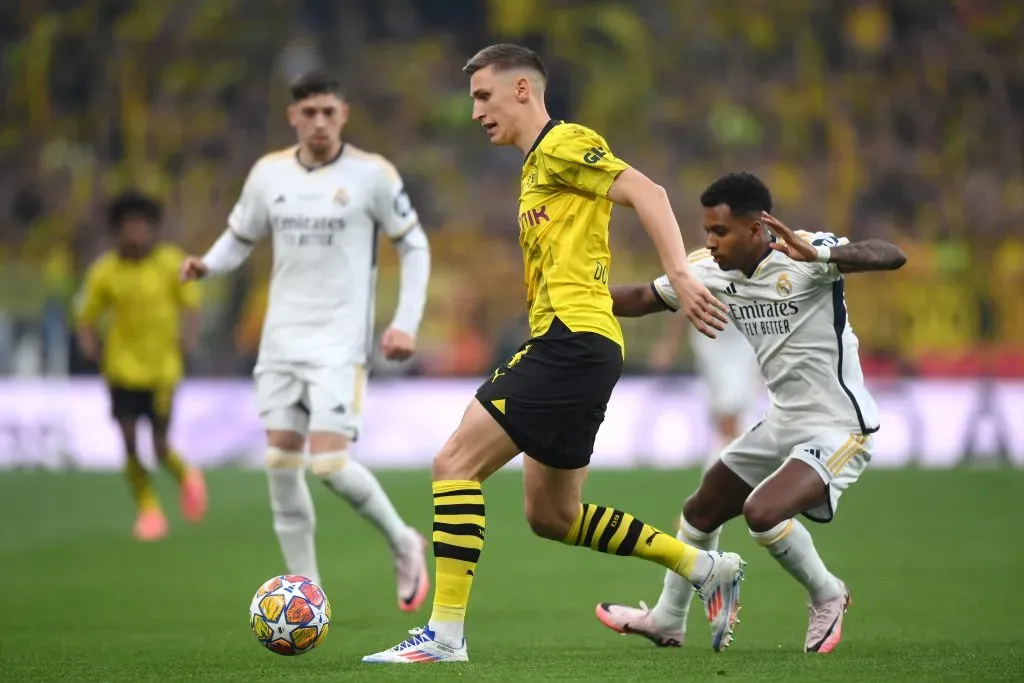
x=933 y=560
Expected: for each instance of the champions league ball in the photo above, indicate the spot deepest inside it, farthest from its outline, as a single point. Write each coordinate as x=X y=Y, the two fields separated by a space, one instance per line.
x=289 y=615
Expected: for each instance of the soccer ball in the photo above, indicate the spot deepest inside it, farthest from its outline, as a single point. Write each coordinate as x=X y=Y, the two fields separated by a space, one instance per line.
x=289 y=615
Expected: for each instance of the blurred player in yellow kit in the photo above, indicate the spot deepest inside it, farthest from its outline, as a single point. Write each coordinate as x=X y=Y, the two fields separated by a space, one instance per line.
x=151 y=319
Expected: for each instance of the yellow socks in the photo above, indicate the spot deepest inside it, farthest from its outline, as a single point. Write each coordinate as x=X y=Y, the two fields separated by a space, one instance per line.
x=175 y=465
x=458 y=539
x=140 y=484
x=620 y=533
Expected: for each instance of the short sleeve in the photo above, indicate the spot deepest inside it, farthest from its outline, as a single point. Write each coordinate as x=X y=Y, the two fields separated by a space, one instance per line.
x=249 y=219
x=828 y=272
x=393 y=209
x=578 y=158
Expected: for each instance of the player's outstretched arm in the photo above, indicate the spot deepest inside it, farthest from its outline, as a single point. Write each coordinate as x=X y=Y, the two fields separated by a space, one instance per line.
x=248 y=223
x=851 y=257
x=650 y=201
x=634 y=301
x=873 y=254
x=227 y=253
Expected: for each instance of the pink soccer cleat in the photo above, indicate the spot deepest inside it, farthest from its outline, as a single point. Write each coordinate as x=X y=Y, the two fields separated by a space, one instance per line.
x=825 y=622
x=411 y=572
x=193 y=496
x=151 y=525
x=638 y=621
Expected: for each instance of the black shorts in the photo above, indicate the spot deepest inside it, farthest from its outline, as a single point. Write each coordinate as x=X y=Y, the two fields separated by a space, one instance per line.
x=154 y=404
x=550 y=396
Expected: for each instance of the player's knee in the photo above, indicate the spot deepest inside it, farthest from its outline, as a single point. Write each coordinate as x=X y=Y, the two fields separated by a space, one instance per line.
x=455 y=462
x=284 y=460
x=326 y=465
x=550 y=522
x=161 y=445
x=761 y=515
x=699 y=514
x=285 y=440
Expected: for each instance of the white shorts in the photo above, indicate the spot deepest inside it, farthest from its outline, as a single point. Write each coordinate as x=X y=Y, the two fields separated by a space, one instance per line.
x=838 y=457
x=729 y=369
x=303 y=398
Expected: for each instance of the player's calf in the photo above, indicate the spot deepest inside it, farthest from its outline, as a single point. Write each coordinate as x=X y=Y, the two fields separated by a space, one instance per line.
x=292 y=508
x=355 y=483
x=551 y=519
x=193 y=497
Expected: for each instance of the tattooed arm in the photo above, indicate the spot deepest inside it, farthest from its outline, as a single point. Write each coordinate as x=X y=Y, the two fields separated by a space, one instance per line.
x=847 y=257
x=874 y=254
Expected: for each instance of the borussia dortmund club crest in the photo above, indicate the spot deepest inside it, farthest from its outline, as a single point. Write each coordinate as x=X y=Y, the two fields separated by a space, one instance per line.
x=783 y=286
x=531 y=180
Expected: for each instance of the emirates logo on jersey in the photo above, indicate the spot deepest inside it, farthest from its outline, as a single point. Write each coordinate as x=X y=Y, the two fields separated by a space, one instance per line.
x=783 y=286
x=341 y=197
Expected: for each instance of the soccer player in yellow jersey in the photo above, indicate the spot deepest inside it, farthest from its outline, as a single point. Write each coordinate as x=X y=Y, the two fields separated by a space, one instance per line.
x=134 y=289
x=548 y=400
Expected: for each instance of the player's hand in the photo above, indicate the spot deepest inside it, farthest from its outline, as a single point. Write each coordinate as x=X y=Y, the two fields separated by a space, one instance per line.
x=700 y=306
x=792 y=245
x=192 y=268
x=397 y=345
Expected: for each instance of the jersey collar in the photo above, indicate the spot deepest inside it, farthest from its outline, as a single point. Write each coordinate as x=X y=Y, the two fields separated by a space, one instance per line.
x=764 y=257
x=544 y=131
x=310 y=169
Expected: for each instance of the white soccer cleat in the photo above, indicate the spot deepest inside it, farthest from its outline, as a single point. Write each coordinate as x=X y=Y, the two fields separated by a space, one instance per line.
x=825 y=622
x=413 y=581
x=638 y=621
x=720 y=593
x=420 y=649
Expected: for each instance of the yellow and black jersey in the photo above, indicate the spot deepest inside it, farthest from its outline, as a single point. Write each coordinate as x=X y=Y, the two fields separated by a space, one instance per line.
x=564 y=214
x=144 y=300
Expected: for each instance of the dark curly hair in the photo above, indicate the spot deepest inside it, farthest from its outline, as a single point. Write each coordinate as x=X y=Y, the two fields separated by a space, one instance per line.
x=133 y=204
x=743 y=193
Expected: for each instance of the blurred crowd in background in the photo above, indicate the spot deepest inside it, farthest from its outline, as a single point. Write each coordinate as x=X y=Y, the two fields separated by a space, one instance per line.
x=870 y=118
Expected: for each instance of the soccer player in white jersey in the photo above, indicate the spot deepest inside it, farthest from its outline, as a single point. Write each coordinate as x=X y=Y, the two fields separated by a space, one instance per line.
x=732 y=387
x=325 y=201
x=784 y=292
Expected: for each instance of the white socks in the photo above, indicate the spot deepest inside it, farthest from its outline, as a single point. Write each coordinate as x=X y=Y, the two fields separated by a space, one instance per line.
x=292 y=508
x=792 y=546
x=355 y=483
x=451 y=633
x=674 y=602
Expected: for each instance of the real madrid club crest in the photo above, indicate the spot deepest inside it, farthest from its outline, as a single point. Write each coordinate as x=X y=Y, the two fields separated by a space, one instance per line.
x=783 y=286
x=341 y=197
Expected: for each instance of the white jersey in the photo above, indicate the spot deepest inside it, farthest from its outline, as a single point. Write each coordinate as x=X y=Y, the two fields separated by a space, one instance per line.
x=325 y=223
x=794 y=315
